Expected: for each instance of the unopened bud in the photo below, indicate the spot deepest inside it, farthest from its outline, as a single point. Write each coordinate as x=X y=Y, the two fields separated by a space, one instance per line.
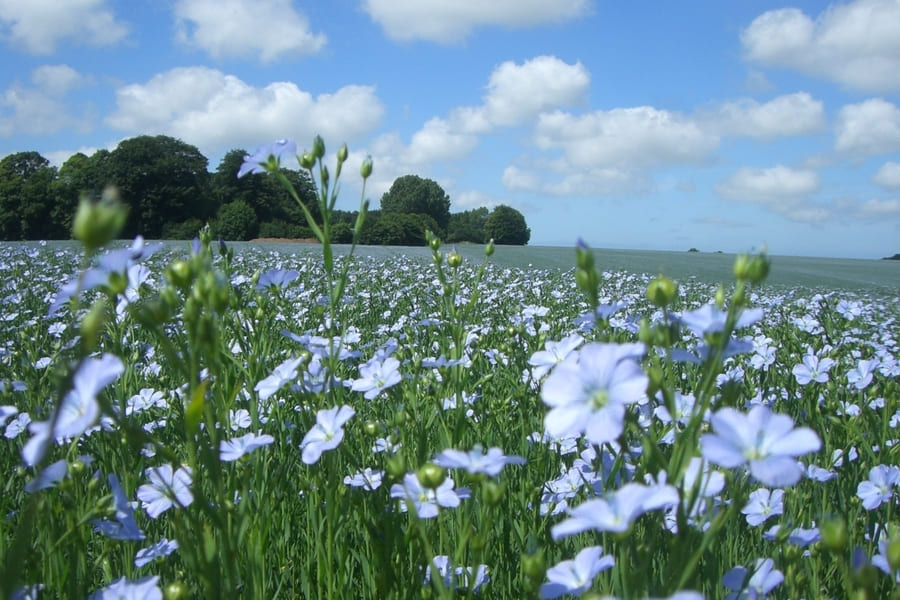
x=431 y=476
x=662 y=291
x=365 y=169
x=307 y=160
x=454 y=259
x=318 y=148
x=97 y=223
x=489 y=249
x=342 y=153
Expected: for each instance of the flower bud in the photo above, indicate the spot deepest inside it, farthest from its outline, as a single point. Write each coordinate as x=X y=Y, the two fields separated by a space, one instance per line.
x=720 y=298
x=371 y=427
x=93 y=324
x=834 y=534
x=893 y=554
x=342 y=153
x=431 y=475
x=395 y=466
x=365 y=169
x=489 y=248
x=307 y=161
x=454 y=259
x=434 y=242
x=97 y=223
x=533 y=565
x=662 y=291
x=492 y=493
x=179 y=273
x=318 y=147
x=176 y=590
x=584 y=258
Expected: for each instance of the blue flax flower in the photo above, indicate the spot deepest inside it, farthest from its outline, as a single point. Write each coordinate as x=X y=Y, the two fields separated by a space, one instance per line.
x=123 y=589
x=167 y=488
x=160 y=549
x=268 y=155
x=124 y=527
x=79 y=408
x=426 y=501
x=235 y=448
x=763 y=505
x=376 y=376
x=879 y=488
x=589 y=391
x=617 y=511
x=767 y=441
x=459 y=578
x=283 y=374
x=576 y=576
x=476 y=461
x=764 y=579
x=326 y=434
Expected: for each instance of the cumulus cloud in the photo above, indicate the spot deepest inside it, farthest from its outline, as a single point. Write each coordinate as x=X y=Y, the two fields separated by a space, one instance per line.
x=781 y=189
x=624 y=137
x=451 y=21
x=38 y=26
x=41 y=109
x=888 y=176
x=516 y=94
x=215 y=111
x=57 y=80
x=437 y=141
x=264 y=29
x=788 y=115
x=879 y=209
x=867 y=128
x=519 y=92
x=854 y=44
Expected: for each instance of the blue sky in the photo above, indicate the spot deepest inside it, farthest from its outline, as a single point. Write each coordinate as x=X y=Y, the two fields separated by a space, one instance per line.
x=726 y=126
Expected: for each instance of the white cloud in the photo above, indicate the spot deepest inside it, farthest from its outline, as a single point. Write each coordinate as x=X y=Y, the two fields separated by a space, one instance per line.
x=266 y=29
x=788 y=115
x=57 y=80
x=888 y=175
x=517 y=93
x=870 y=127
x=624 y=137
x=58 y=157
x=854 y=44
x=215 y=111
x=781 y=189
x=520 y=180
x=474 y=199
x=450 y=21
x=37 y=26
x=41 y=109
x=437 y=141
x=879 y=209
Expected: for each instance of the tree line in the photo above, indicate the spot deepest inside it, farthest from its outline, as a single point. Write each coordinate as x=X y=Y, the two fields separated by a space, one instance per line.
x=171 y=194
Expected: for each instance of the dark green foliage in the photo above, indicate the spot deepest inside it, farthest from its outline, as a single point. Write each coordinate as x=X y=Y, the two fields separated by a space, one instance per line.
x=506 y=225
x=237 y=222
x=264 y=192
x=283 y=229
x=411 y=194
x=342 y=233
x=26 y=197
x=163 y=180
x=397 y=229
x=467 y=226
x=186 y=230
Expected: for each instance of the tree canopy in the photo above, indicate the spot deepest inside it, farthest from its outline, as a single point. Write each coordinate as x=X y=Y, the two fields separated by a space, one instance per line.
x=411 y=194
x=171 y=194
x=506 y=225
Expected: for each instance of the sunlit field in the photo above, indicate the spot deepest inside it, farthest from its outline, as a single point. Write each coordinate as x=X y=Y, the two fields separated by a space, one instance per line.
x=204 y=420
